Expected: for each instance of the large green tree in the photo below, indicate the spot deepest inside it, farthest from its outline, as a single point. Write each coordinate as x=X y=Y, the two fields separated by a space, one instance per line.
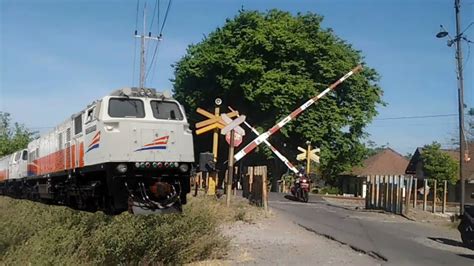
x=266 y=65
x=438 y=164
x=14 y=136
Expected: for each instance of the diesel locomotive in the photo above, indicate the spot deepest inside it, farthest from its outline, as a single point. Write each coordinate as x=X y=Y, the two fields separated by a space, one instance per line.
x=131 y=150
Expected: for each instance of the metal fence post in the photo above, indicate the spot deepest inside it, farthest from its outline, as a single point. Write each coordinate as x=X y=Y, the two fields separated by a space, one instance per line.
x=367 y=192
x=372 y=192
x=434 y=196
x=408 y=194
x=377 y=191
x=387 y=192
x=415 y=190
x=395 y=196
x=401 y=182
x=425 y=193
x=445 y=192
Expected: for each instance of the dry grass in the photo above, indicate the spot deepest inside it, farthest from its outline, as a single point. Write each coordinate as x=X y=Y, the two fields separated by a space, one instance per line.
x=41 y=234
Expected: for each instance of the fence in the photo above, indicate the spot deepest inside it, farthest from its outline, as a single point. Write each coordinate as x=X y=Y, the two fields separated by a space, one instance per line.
x=397 y=194
x=255 y=185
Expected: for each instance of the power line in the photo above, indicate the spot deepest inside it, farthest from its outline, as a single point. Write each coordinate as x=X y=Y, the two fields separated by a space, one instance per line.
x=166 y=17
x=415 y=117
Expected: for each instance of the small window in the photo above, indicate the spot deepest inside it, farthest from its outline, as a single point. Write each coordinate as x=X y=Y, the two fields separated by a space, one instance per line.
x=68 y=135
x=90 y=115
x=17 y=156
x=124 y=107
x=37 y=153
x=78 y=124
x=60 y=141
x=166 y=110
x=25 y=155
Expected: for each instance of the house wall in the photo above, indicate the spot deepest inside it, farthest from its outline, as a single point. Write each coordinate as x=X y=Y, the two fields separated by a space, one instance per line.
x=419 y=170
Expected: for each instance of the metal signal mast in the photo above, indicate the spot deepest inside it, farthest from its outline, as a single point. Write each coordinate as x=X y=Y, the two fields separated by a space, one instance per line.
x=144 y=38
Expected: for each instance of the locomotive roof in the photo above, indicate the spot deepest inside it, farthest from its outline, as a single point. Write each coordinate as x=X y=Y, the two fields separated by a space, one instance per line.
x=142 y=92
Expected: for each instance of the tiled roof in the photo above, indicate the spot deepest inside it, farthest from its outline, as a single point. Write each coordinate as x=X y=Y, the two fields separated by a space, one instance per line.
x=385 y=162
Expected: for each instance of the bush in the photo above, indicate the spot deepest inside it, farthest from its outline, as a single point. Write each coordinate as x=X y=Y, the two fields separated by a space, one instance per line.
x=329 y=190
x=41 y=234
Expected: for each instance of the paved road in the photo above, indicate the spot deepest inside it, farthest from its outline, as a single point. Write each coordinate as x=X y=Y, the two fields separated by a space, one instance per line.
x=391 y=239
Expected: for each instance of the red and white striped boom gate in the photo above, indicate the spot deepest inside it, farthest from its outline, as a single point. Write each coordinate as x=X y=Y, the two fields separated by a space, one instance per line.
x=252 y=145
x=274 y=150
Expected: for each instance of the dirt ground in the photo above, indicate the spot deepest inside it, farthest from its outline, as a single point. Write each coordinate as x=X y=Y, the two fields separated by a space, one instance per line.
x=277 y=241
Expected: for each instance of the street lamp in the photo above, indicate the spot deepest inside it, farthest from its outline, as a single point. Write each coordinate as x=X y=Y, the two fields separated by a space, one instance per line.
x=463 y=156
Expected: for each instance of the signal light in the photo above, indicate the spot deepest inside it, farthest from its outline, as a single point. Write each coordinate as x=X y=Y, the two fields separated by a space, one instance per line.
x=167 y=165
x=147 y=165
x=160 y=164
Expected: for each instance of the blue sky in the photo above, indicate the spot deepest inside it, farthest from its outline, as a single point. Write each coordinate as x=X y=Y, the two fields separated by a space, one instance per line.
x=56 y=56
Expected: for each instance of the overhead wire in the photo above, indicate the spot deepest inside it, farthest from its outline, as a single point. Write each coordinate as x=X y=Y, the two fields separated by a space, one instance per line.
x=166 y=16
x=153 y=62
x=414 y=117
x=135 y=44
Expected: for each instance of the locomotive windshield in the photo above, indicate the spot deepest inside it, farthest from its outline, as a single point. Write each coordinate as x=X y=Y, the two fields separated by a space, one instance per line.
x=166 y=110
x=123 y=107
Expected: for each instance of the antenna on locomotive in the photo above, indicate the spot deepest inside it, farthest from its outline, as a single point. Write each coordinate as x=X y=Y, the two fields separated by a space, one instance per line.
x=144 y=37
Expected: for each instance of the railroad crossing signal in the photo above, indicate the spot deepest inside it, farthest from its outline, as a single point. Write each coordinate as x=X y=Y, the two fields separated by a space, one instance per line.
x=214 y=121
x=308 y=155
x=233 y=125
x=312 y=155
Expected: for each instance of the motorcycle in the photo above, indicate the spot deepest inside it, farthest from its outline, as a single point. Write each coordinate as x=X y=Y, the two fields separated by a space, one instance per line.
x=301 y=189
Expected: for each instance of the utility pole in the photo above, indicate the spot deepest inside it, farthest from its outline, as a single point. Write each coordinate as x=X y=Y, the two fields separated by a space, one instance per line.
x=143 y=39
x=463 y=156
x=461 y=102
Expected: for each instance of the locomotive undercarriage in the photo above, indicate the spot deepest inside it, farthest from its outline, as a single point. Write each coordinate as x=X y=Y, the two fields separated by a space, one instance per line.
x=102 y=187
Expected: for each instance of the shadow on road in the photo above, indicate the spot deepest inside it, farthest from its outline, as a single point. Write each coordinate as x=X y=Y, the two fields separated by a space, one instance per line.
x=447 y=241
x=467 y=256
x=293 y=198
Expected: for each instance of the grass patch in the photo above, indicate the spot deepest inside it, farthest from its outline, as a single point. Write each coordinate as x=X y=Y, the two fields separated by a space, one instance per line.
x=41 y=234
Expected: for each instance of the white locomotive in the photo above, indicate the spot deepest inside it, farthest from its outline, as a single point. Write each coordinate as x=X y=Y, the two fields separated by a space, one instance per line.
x=131 y=150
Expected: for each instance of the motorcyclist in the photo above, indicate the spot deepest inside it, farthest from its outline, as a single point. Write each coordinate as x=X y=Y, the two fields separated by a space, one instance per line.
x=297 y=181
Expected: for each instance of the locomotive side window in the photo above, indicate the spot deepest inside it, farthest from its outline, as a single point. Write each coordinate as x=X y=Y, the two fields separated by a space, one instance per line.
x=166 y=110
x=78 y=124
x=25 y=155
x=17 y=156
x=60 y=141
x=90 y=115
x=123 y=107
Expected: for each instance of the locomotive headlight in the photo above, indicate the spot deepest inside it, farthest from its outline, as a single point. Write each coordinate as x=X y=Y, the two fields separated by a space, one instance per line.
x=122 y=168
x=184 y=168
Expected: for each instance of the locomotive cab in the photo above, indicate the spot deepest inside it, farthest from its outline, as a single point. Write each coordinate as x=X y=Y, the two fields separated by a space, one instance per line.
x=143 y=140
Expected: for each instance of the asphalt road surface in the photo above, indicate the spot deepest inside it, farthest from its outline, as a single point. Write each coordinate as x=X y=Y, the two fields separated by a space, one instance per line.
x=391 y=239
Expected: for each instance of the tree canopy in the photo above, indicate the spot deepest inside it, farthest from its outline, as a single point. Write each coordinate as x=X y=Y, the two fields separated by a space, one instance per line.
x=438 y=164
x=13 y=137
x=266 y=64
